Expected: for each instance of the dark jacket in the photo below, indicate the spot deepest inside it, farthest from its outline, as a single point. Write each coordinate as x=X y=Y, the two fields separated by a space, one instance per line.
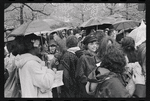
x=111 y=85
x=86 y=64
x=68 y=65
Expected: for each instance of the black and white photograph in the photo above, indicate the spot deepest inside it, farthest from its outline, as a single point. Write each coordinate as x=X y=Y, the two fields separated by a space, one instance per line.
x=74 y=50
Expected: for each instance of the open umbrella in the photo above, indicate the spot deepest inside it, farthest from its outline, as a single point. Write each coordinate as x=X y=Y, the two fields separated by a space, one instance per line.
x=98 y=21
x=30 y=27
x=139 y=34
x=124 y=24
x=59 y=29
x=91 y=22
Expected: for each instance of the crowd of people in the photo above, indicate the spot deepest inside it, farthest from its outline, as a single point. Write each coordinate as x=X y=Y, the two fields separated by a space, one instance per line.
x=99 y=64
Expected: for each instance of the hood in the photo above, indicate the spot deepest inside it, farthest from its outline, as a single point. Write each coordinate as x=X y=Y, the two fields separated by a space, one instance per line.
x=21 y=60
x=73 y=49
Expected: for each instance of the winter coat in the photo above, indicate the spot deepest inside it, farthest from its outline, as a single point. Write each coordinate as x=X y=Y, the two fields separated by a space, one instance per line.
x=68 y=64
x=110 y=85
x=35 y=78
x=86 y=64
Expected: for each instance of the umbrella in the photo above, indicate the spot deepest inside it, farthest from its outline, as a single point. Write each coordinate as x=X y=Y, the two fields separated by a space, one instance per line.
x=98 y=21
x=59 y=29
x=139 y=34
x=108 y=20
x=91 y=22
x=30 y=27
x=124 y=24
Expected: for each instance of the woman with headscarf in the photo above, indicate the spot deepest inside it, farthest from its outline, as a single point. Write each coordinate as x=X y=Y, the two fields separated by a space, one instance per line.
x=86 y=63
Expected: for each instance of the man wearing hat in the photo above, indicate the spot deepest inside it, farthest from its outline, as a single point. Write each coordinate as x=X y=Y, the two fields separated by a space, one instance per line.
x=87 y=63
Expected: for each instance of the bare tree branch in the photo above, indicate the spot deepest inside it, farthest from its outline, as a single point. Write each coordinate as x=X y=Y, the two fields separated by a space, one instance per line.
x=12 y=9
x=36 y=10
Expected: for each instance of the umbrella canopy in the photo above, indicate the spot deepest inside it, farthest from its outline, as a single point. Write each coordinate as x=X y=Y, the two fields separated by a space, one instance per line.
x=59 y=29
x=30 y=27
x=98 y=21
x=91 y=22
x=124 y=24
x=138 y=34
x=108 y=20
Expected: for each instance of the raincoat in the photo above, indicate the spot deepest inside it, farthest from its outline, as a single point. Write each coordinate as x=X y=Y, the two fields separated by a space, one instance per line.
x=35 y=78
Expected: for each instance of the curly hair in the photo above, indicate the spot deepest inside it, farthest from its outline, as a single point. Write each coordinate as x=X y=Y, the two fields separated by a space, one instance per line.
x=104 y=44
x=114 y=60
x=28 y=44
x=18 y=45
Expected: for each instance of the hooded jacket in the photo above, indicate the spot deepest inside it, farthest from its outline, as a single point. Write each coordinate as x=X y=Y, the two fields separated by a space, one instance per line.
x=36 y=79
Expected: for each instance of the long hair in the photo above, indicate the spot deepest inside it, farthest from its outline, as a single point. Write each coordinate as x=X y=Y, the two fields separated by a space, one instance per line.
x=114 y=60
x=100 y=35
x=128 y=46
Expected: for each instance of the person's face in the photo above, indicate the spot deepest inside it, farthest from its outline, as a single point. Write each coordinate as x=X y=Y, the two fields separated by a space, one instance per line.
x=93 y=46
x=52 y=49
x=37 y=47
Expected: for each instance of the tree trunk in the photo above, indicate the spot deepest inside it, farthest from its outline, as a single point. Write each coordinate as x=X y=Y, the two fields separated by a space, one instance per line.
x=127 y=11
x=21 y=14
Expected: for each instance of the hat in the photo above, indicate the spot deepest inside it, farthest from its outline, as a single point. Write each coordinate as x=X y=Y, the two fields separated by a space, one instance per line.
x=89 y=39
x=52 y=43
